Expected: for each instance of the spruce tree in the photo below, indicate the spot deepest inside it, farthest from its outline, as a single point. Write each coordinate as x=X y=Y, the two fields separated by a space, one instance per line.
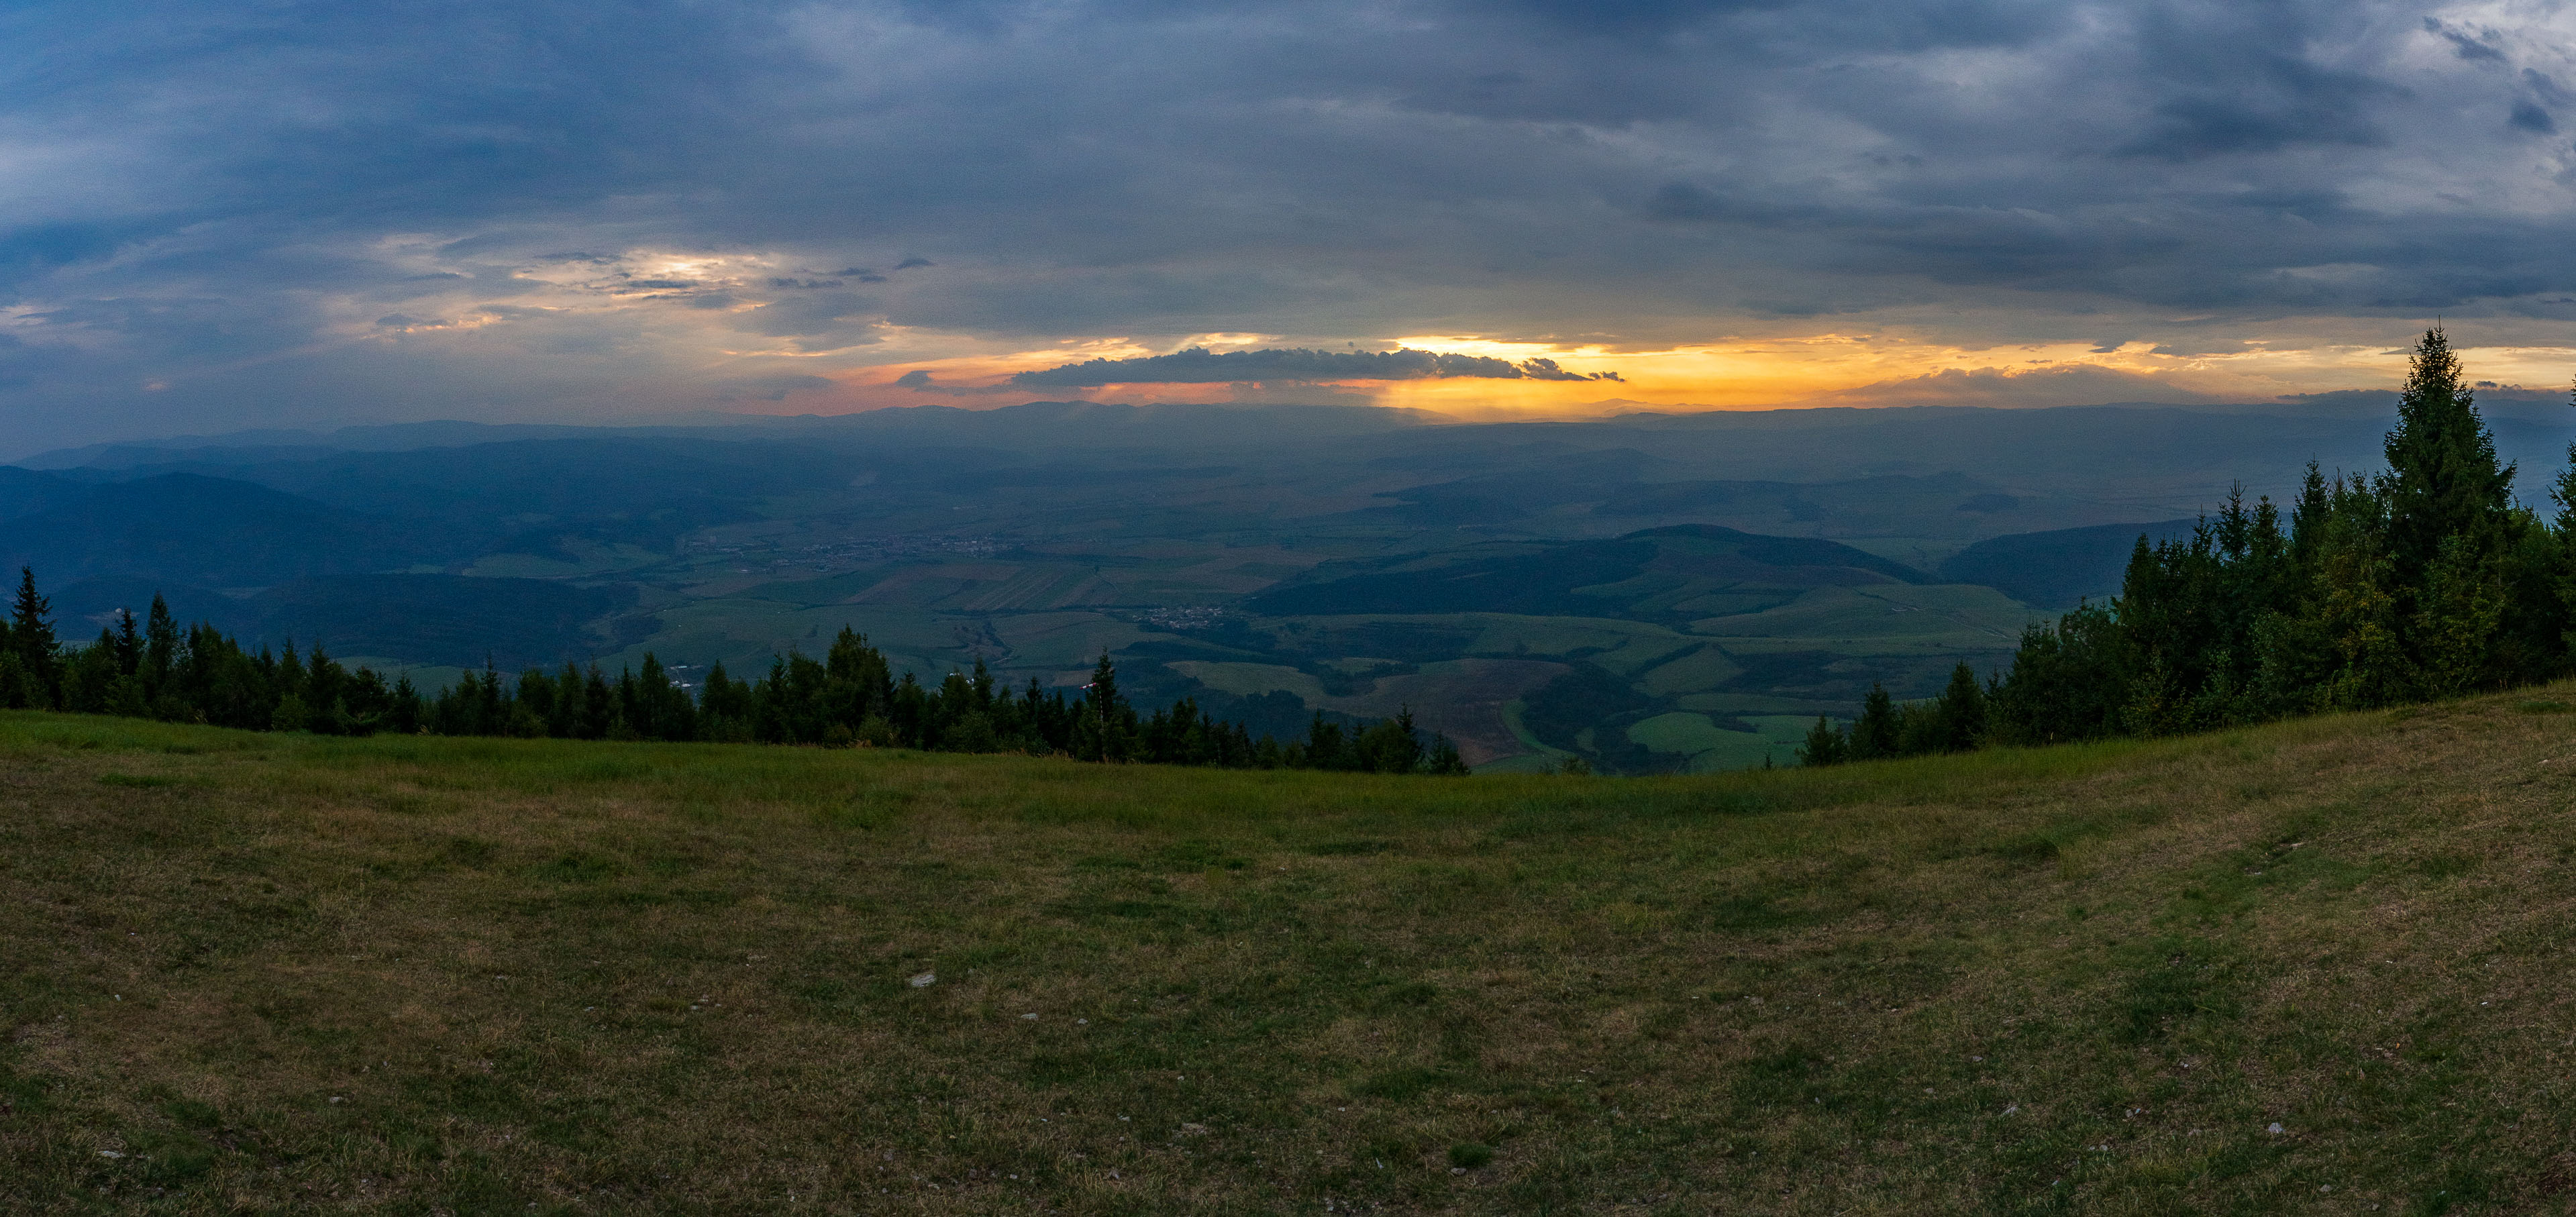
x=2563 y=492
x=160 y=645
x=1876 y=735
x=1824 y=744
x=598 y=706
x=403 y=715
x=2308 y=516
x=2443 y=479
x=2450 y=523
x=31 y=637
x=128 y=643
x=1101 y=706
x=1963 y=711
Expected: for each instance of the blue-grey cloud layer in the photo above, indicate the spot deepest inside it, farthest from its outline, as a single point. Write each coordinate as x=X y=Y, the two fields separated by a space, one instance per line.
x=293 y=211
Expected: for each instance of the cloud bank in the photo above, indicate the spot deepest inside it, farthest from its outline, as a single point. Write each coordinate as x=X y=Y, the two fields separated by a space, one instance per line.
x=1198 y=365
x=2024 y=388
x=220 y=214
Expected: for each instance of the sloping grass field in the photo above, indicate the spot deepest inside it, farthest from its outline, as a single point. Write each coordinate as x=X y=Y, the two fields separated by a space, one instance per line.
x=2317 y=967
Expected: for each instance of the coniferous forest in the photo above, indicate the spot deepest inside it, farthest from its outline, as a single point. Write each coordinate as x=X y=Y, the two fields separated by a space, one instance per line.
x=157 y=669
x=2423 y=581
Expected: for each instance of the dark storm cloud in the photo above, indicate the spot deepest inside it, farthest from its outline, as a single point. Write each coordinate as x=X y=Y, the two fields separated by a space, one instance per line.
x=2464 y=44
x=224 y=198
x=1198 y=365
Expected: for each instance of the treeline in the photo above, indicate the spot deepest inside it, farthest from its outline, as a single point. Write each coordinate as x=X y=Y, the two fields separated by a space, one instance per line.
x=156 y=669
x=2424 y=581
x=1956 y=721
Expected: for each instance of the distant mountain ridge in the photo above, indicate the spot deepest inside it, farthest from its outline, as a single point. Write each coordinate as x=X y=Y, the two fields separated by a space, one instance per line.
x=191 y=528
x=1035 y=423
x=422 y=619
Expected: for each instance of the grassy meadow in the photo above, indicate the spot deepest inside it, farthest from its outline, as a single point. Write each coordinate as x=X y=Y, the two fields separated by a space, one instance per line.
x=2316 y=967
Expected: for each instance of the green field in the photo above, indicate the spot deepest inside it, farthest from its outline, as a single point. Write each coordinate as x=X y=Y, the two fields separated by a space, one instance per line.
x=2313 y=967
x=1712 y=747
x=1886 y=619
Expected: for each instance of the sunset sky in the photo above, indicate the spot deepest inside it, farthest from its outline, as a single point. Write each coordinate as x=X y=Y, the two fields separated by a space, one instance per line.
x=216 y=216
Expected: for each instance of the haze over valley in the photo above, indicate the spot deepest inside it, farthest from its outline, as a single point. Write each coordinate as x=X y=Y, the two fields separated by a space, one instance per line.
x=1650 y=592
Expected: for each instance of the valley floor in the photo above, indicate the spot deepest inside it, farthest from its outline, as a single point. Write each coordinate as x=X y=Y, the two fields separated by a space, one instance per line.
x=2320 y=966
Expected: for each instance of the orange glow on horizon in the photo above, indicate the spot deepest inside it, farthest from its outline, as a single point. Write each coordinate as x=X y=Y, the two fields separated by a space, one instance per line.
x=1810 y=370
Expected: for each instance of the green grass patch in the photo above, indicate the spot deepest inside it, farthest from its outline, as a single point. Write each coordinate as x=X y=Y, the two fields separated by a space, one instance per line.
x=136 y=781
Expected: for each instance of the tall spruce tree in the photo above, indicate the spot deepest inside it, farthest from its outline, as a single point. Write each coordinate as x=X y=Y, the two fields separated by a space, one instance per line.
x=31 y=637
x=2450 y=524
x=128 y=643
x=2563 y=532
x=160 y=645
x=2563 y=490
x=1107 y=720
x=2443 y=479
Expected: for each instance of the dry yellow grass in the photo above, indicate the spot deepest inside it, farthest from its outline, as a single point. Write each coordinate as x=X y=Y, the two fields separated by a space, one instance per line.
x=264 y=973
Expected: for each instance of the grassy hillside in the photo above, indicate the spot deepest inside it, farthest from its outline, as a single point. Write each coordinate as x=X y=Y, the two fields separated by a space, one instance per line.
x=2320 y=966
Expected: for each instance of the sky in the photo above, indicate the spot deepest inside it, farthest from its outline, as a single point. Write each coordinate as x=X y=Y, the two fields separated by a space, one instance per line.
x=269 y=213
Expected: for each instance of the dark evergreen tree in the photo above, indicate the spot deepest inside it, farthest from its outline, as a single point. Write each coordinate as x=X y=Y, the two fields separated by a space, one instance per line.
x=1444 y=760
x=128 y=644
x=1962 y=711
x=89 y=676
x=1388 y=746
x=1322 y=748
x=1825 y=744
x=1921 y=730
x=160 y=646
x=2067 y=682
x=2450 y=523
x=31 y=639
x=2443 y=479
x=1878 y=733
x=1101 y=739
x=598 y=706
x=403 y=713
